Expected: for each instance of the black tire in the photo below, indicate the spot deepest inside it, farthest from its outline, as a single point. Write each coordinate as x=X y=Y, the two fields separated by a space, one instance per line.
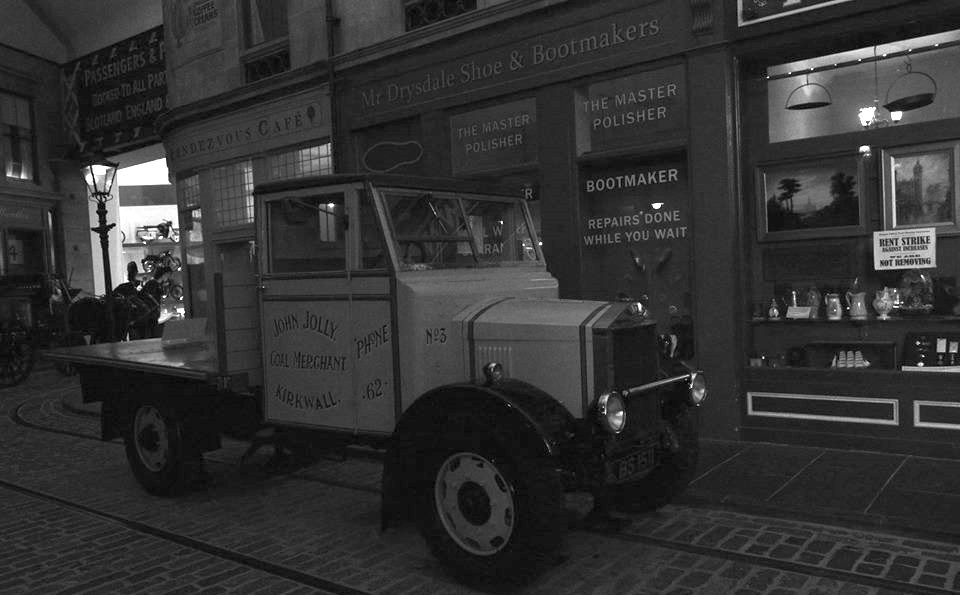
x=465 y=531
x=672 y=475
x=154 y=443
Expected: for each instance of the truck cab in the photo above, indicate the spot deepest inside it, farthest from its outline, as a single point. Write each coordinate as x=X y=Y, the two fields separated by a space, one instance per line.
x=361 y=281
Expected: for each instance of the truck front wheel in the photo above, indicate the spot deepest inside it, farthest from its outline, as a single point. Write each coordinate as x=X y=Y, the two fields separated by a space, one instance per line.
x=673 y=473
x=490 y=518
x=155 y=450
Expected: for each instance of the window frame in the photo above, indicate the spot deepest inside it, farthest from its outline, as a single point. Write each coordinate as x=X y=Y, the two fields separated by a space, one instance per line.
x=34 y=160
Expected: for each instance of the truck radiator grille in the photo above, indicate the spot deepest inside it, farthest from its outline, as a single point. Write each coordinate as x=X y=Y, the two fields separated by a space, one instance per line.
x=625 y=356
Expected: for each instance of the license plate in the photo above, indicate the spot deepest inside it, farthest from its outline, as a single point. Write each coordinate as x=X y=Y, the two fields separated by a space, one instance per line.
x=629 y=466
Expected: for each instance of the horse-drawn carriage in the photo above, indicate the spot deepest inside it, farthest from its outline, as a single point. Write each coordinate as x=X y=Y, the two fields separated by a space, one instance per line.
x=43 y=311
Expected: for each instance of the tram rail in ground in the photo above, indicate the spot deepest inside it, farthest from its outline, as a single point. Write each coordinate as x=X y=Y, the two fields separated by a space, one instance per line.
x=226 y=462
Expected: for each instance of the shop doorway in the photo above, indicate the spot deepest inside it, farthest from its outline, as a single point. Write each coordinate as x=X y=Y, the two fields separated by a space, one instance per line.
x=635 y=234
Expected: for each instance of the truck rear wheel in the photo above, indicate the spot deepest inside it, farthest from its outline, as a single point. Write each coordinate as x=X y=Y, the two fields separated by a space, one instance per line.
x=490 y=518
x=671 y=476
x=155 y=450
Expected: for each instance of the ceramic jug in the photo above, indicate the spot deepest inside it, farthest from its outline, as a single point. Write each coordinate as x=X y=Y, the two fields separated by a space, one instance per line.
x=834 y=308
x=857 y=303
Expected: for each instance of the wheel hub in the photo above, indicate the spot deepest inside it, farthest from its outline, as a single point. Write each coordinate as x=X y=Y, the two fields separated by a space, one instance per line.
x=475 y=503
x=150 y=436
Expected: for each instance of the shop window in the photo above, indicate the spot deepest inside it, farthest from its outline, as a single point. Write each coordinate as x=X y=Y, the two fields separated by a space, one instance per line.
x=188 y=192
x=233 y=194
x=19 y=140
x=191 y=238
x=420 y=13
x=836 y=94
x=265 y=36
x=308 y=161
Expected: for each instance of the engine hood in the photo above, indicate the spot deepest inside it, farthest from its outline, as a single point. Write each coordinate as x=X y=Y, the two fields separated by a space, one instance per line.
x=546 y=342
x=532 y=319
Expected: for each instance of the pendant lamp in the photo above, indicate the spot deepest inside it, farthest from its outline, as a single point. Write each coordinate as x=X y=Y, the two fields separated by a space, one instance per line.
x=808 y=96
x=911 y=91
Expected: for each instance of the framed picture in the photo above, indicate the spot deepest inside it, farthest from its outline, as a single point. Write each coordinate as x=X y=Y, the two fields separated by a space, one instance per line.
x=920 y=187
x=812 y=198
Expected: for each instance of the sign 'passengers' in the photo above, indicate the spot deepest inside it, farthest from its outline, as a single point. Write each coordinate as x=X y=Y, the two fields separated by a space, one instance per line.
x=115 y=94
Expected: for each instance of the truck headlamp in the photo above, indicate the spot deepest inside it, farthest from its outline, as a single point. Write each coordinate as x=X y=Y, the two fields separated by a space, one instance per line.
x=698 y=388
x=612 y=412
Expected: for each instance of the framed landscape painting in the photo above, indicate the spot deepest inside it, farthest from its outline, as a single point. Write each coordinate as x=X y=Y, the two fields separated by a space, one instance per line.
x=811 y=198
x=920 y=187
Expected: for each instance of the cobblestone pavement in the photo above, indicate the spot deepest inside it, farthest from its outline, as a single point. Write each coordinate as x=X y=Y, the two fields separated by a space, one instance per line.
x=73 y=520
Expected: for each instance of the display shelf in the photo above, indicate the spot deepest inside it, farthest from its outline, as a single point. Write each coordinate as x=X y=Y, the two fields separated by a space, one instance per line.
x=897 y=320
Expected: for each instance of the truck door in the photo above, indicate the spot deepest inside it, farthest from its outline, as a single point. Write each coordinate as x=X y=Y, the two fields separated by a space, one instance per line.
x=326 y=304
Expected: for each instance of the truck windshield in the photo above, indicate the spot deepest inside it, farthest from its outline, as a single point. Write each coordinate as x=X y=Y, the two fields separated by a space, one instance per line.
x=448 y=231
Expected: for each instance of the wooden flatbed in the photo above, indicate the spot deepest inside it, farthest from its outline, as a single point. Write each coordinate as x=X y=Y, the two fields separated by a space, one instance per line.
x=196 y=361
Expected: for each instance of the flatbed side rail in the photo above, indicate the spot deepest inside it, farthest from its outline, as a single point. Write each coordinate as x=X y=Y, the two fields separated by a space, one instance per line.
x=195 y=362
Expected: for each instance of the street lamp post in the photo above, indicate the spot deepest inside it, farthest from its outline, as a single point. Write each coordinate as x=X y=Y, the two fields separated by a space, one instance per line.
x=99 y=175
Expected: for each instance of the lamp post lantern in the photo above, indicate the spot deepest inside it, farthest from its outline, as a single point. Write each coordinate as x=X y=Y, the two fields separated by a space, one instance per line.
x=99 y=175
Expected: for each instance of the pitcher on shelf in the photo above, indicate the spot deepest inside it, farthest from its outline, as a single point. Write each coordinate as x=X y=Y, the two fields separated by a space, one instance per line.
x=857 y=304
x=884 y=302
x=833 y=306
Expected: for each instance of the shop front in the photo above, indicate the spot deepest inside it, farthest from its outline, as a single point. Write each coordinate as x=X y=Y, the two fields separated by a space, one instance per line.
x=849 y=161
x=597 y=115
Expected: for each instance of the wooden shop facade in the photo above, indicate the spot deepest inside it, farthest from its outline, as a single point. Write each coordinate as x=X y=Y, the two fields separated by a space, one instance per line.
x=713 y=160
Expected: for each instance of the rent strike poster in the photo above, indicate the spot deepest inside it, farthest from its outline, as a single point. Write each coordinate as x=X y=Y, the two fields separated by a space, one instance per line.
x=914 y=248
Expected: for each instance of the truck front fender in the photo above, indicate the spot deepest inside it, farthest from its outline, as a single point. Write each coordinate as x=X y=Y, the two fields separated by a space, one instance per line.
x=521 y=418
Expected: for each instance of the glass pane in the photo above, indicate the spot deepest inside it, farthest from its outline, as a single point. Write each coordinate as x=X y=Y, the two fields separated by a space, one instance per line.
x=266 y=20
x=188 y=192
x=430 y=231
x=824 y=95
x=307 y=234
x=500 y=231
x=8 y=109
x=233 y=194
x=309 y=161
x=192 y=240
x=373 y=254
x=433 y=231
x=24 y=251
x=18 y=151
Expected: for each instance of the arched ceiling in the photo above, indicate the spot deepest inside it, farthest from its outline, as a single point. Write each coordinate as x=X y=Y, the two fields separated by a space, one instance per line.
x=63 y=30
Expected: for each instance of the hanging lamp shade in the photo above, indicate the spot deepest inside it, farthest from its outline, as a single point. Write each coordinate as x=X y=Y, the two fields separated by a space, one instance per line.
x=808 y=96
x=911 y=91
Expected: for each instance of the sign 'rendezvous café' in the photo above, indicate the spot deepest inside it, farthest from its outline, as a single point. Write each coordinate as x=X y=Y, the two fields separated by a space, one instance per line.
x=642 y=28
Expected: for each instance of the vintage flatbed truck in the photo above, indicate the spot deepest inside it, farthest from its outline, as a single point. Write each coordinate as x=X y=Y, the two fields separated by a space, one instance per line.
x=417 y=316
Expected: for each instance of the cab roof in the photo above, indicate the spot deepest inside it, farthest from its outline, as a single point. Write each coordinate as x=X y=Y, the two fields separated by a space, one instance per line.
x=390 y=181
